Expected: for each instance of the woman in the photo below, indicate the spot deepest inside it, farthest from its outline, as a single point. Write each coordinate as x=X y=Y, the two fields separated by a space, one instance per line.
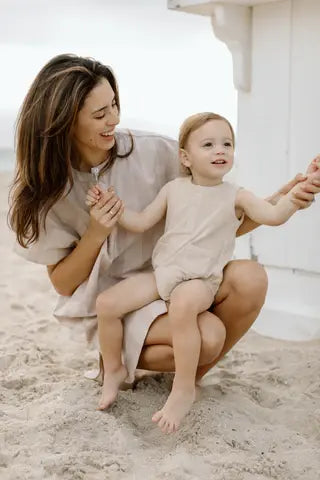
x=67 y=127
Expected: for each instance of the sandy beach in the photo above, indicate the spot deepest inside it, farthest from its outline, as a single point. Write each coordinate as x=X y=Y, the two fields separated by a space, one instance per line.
x=257 y=416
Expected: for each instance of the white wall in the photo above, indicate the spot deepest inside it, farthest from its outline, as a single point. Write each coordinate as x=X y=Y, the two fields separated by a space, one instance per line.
x=168 y=65
x=278 y=133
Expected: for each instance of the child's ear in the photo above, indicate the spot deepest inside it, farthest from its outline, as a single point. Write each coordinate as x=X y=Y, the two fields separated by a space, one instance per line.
x=184 y=158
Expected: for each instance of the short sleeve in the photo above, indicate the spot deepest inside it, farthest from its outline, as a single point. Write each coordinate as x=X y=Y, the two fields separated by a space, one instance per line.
x=172 y=163
x=55 y=242
x=166 y=158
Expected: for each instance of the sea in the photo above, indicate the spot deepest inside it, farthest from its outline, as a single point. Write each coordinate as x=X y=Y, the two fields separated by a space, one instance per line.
x=7 y=160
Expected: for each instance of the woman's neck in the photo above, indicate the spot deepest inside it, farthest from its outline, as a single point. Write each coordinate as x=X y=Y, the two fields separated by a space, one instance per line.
x=86 y=159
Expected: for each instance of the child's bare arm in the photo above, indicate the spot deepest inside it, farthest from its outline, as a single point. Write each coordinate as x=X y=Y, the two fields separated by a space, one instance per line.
x=152 y=214
x=263 y=212
x=307 y=186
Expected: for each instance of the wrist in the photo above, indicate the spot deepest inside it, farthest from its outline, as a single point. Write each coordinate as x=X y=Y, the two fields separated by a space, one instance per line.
x=273 y=199
x=96 y=235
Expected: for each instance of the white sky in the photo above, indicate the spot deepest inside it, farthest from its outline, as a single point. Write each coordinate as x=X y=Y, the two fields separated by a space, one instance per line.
x=168 y=64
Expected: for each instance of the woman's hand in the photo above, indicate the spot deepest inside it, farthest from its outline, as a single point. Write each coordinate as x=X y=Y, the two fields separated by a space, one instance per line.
x=304 y=191
x=75 y=268
x=313 y=169
x=302 y=187
x=105 y=213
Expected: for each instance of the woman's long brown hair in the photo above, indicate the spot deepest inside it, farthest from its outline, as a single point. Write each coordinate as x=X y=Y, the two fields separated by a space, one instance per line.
x=44 y=139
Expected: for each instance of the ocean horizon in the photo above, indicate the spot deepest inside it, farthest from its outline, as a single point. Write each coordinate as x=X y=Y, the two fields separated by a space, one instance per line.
x=7 y=159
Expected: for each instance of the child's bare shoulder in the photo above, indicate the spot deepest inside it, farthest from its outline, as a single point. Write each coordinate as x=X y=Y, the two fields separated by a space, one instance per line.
x=178 y=181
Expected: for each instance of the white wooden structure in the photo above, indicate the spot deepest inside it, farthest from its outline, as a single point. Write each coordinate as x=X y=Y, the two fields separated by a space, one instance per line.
x=275 y=46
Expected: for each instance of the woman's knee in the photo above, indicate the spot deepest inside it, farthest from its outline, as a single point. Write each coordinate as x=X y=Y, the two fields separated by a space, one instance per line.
x=248 y=281
x=156 y=357
x=213 y=336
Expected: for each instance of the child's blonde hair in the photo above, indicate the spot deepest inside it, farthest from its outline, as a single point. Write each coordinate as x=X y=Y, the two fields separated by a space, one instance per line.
x=194 y=122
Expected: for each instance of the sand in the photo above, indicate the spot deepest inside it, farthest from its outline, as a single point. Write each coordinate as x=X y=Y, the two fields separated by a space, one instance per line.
x=257 y=417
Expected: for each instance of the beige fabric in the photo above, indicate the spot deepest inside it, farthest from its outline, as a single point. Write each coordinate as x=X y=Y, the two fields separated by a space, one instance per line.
x=199 y=236
x=137 y=180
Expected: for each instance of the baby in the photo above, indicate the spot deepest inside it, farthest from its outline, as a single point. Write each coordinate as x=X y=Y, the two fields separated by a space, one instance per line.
x=203 y=213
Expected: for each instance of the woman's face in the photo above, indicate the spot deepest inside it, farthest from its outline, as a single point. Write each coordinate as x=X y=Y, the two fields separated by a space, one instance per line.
x=95 y=124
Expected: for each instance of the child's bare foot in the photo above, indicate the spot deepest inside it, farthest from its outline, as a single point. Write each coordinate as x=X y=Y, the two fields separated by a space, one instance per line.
x=111 y=385
x=175 y=409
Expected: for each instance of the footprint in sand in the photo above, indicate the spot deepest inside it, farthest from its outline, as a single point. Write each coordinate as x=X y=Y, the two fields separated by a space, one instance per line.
x=6 y=360
x=17 y=306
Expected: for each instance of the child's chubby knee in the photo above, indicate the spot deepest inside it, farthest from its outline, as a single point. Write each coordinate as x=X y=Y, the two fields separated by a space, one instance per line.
x=182 y=305
x=106 y=305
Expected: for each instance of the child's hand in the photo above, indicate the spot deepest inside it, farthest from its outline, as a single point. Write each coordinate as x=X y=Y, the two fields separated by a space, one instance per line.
x=93 y=196
x=304 y=192
x=313 y=170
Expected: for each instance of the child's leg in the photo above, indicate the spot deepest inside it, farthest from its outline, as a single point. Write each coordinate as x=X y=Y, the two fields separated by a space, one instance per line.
x=124 y=297
x=186 y=301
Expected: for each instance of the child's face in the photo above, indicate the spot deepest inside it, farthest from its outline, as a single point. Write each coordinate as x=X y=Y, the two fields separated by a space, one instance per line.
x=209 y=151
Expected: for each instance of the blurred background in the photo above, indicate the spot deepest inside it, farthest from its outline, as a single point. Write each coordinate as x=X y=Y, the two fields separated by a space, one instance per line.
x=168 y=64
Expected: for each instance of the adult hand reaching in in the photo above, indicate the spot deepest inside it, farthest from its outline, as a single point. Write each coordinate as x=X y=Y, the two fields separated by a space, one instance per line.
x=306 y=186
x=106 y=209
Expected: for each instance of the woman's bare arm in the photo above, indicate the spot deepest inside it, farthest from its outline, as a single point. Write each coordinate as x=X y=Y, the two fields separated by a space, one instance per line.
x=74 y=269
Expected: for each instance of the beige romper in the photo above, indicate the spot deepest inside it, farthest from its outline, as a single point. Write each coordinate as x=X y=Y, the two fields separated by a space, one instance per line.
x=199 y=235
x=137 y=180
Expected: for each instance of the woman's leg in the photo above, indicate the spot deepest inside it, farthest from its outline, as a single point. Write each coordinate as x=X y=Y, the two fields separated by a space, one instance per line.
x=238 y=303
x=112 y=304
x=157 y=354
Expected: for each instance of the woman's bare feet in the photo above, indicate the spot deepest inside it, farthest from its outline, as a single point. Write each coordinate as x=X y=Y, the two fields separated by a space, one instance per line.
x=111 y=385
x=175 y=409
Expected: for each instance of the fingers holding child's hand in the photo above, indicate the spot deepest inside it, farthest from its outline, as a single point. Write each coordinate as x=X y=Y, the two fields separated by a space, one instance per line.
x=304 y=196
x=292 y=183
x=111 y=216
x=303 y=187
x=107 y=210
x=314 y=166
x=302 y=199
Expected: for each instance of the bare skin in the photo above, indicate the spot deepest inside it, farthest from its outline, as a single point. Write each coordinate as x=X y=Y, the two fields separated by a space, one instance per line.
x=112 y=379
x=186 y=301
x=237 y=306
x=112 y=305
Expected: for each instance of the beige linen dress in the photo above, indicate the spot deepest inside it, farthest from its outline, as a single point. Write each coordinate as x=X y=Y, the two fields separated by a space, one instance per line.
x=199 y=236
x=137 y=180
